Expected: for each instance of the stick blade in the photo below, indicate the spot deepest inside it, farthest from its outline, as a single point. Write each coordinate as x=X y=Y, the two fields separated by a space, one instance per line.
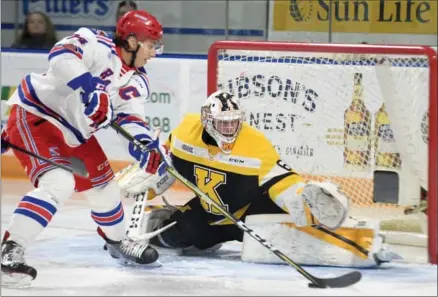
x=342 y=281
x=78 y=167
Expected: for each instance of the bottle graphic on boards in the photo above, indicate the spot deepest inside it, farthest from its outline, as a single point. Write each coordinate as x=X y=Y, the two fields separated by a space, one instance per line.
x=357 y=129
x=385 y=154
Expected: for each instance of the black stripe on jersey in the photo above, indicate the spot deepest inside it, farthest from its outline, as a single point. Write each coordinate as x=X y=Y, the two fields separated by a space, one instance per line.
x=342 y=238
x=265 y=188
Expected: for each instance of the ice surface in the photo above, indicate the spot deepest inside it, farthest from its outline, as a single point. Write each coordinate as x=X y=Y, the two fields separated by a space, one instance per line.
x=70 y=261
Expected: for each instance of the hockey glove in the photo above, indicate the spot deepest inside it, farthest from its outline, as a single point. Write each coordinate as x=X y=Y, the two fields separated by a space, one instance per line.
x=98 y=107
x=150 y=161
x=4 y=137
x=325 y=202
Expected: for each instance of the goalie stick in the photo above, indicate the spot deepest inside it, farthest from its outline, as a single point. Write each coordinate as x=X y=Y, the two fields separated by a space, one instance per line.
x=335 y=282
x=135 y=226
x=140 y=200
x=77 y=166
x=147 y=236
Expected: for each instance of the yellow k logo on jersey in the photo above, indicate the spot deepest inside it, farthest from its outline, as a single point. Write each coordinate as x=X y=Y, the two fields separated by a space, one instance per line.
x=208 y=181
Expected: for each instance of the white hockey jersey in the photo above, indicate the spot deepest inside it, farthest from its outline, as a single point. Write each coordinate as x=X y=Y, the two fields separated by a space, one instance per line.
x=55 y=95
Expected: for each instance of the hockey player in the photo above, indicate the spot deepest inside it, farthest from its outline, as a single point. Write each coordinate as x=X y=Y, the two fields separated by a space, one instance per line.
x=91 y=81
x=236 y=165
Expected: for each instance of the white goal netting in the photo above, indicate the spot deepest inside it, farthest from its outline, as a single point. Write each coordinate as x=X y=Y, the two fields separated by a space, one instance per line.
x=357 y=119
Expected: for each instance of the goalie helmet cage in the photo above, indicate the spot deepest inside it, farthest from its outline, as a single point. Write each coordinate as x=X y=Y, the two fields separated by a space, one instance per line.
x=277 y=77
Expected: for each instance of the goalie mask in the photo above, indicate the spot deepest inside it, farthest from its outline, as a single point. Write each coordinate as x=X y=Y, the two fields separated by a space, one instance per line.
x=222 y=118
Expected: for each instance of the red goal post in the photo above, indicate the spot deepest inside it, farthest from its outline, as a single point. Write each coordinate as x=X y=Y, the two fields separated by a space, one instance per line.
x=244 y=66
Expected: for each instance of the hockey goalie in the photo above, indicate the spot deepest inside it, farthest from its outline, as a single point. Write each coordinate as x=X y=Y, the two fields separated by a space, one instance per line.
x=237 y=166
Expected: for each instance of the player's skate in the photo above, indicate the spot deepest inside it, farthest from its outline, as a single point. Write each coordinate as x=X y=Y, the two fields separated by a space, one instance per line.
x=15 y=272
x=129 y=252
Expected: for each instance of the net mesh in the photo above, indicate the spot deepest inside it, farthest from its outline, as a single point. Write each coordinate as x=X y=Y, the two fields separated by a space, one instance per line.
x=328 y=118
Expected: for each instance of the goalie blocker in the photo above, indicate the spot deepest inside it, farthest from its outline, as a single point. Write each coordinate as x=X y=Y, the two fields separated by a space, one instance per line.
x=133 y=181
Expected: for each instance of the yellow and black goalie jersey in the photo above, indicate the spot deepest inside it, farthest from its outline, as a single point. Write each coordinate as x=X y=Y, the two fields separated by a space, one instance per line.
x=253 y=170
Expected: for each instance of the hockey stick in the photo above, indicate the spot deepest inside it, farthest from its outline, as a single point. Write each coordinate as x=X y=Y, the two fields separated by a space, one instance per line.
x=77 y=166
x=137 y=217
x=140 y=200
x=147 y=236
x=336 y=282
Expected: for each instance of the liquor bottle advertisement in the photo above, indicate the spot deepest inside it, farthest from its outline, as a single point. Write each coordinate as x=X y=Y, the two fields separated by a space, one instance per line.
x=357 y=128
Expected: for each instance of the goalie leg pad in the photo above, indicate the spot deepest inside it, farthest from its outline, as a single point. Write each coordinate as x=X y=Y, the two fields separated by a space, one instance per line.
x=107 y=210
x=38 y=207
x=192 y=228
x=355 y=244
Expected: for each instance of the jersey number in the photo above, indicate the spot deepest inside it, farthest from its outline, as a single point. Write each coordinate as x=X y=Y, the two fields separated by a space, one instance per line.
x=107 y=73
x=208 y=181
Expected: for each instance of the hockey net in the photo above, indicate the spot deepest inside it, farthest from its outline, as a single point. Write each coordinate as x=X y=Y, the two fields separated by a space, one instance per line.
x=362 y=116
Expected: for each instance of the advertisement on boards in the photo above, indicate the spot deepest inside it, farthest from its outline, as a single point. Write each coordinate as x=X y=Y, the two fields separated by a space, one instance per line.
x=356 y=16
x=72 y=12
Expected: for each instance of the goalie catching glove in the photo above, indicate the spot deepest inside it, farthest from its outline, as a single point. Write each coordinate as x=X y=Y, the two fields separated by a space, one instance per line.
x=321 y=202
